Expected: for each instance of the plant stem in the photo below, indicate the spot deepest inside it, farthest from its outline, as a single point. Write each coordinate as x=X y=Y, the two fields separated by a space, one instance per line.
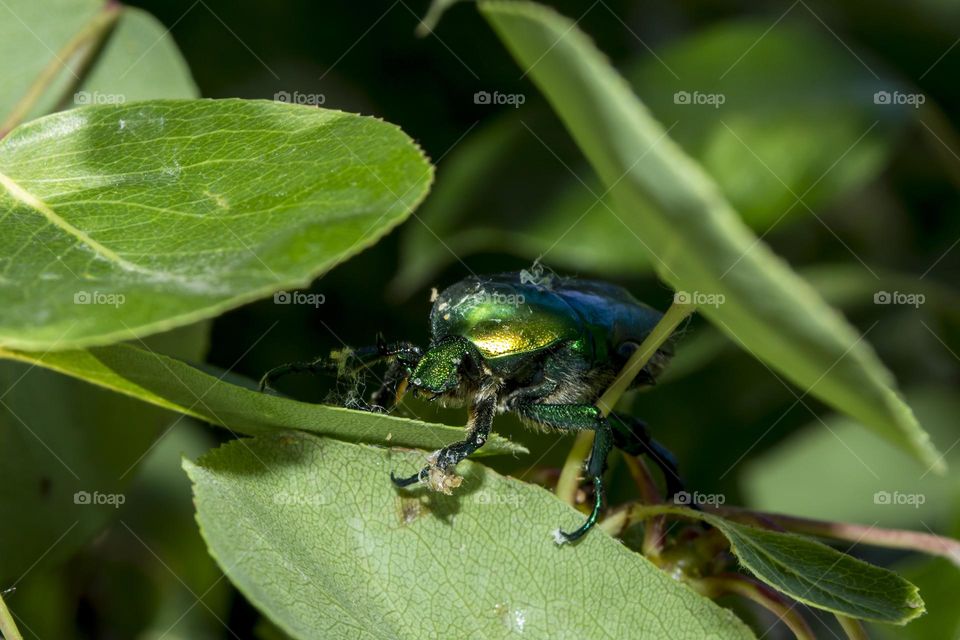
x=852 y=628
x=754 y=590
x=863 y=534
x=614 y=523
x=569 y=476
x=653 y=531
x=676 y=314
x=88 y=36
x=8 y=628
x=569 y=479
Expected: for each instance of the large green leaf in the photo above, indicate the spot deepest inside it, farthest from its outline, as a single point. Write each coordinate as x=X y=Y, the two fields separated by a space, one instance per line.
x=697 y=241
x=156 y=214
x=48 y=446
x=178 y=386
x=313 y=534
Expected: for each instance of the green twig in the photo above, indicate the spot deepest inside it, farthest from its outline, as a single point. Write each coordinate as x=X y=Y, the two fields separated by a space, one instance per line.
x=784 y=609
x=569 y=476
x=654 y=529
x=8 y=628
x=676 y=314
x=569 y=479
x=853 y=628
x=862 y=534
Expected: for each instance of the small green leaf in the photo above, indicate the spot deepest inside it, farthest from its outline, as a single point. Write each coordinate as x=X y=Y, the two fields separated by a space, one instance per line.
x=175 y=385
x=314 y=534
x=813 y=573
x=697 y=242
x=156 y=214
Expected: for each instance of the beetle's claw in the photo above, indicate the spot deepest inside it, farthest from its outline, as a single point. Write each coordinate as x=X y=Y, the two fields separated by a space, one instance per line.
x=562 y=537
x=441 y=480
x=404 y=482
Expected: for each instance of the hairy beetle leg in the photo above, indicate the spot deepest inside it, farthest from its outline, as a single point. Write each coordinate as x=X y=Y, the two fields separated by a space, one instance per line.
x=438 y=473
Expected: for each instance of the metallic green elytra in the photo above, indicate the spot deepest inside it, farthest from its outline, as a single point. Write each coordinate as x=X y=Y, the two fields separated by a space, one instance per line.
x=503 y=316
x=542 y=348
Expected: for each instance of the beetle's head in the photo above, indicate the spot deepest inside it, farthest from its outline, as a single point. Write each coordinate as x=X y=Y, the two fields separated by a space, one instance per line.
x=446 y=367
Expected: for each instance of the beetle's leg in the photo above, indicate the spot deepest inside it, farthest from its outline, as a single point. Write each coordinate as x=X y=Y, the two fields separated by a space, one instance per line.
x=400 y=354
x=403 y=356
x=313 y=366
x=631 y=436
x=578 y=417
x=439 y=472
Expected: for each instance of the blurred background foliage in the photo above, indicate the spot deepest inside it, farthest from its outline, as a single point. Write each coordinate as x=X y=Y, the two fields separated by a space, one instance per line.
x=860 y=197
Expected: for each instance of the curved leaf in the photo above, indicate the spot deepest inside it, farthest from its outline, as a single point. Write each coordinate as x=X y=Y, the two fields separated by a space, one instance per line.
x=813 y=573
x=698 y=243
x=156 y=214
x=314 y=534
x=175 y=385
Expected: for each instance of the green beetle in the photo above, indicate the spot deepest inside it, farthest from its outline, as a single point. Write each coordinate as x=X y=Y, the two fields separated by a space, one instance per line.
x=543 y=348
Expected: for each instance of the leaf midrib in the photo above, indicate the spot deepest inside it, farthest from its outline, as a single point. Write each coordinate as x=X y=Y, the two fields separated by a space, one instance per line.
x=20 y=194
x=814 y=584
